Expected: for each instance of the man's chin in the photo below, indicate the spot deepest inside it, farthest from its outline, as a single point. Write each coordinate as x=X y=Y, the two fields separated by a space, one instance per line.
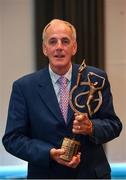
x=61 y=64
x=60 y=59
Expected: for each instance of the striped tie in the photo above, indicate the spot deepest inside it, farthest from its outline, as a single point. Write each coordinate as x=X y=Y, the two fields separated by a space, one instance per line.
x=64 y=96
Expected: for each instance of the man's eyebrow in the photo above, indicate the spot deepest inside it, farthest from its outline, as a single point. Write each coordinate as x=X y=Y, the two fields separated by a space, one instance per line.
x=65 y=38
x=52 y=38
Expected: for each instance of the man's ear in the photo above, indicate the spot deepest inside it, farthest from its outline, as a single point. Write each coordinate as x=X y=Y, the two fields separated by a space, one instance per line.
x=74 y=48
x=44 y=49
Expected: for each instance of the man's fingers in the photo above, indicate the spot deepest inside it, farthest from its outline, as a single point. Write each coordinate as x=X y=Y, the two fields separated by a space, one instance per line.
x=55 y=153
x=75 y=161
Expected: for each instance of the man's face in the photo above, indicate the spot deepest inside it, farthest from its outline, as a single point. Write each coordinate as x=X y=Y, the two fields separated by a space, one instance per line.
x=59 y=46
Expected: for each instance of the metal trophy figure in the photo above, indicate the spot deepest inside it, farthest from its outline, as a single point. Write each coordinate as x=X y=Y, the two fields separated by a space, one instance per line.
x=92 y=100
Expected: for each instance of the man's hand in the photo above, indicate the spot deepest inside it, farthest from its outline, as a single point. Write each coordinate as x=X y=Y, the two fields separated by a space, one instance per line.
x=82 y=124
x=56 y=153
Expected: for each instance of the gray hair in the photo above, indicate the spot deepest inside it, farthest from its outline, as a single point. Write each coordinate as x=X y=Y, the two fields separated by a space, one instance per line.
x=65 y=22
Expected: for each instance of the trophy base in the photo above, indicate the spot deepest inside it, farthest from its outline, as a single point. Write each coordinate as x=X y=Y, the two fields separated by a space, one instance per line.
x=71 y=147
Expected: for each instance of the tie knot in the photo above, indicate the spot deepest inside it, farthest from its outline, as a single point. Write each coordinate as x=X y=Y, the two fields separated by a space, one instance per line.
x=63 y=81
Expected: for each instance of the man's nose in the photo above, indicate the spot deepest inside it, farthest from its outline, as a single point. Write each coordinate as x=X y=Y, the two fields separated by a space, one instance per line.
x=59 y=44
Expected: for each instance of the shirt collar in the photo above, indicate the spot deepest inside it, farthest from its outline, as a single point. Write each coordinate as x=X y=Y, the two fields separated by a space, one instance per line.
x=55 y=76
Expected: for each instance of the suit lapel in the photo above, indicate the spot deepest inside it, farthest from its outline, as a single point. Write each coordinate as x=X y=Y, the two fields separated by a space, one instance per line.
x=47 y=94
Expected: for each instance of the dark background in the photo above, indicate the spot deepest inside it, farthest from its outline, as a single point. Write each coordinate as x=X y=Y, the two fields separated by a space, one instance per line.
x=88 y=18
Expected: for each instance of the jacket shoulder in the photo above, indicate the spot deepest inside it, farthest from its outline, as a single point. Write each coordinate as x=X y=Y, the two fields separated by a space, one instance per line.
x=90 y=69
x=32 y=77
x=95 y=70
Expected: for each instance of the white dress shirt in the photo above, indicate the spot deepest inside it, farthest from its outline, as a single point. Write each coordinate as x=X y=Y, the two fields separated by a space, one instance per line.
x=55 y=77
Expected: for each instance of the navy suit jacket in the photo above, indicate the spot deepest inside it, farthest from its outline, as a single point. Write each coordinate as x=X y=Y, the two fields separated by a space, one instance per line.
x=35 y=125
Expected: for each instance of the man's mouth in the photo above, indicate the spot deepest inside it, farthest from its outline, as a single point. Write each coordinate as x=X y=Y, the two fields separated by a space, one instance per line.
x=59 y=56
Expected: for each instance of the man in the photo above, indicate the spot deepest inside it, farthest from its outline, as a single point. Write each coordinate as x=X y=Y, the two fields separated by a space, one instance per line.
x=36 y=125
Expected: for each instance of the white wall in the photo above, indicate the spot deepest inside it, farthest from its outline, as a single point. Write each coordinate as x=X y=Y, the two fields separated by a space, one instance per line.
x=16 y=55
x=116 y=68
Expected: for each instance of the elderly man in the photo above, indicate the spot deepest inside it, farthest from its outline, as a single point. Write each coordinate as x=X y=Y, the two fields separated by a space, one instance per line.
x=37 y=122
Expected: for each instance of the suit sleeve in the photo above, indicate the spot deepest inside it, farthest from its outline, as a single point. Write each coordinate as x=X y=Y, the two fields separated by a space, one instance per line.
x=17 y=140
x=107 y=125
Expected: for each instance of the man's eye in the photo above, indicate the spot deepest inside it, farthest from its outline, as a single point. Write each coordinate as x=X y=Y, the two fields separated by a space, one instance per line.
x=52 y=41
x=65 y=41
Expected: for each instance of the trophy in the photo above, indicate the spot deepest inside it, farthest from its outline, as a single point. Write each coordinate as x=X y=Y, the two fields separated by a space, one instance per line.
x=90 y=104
